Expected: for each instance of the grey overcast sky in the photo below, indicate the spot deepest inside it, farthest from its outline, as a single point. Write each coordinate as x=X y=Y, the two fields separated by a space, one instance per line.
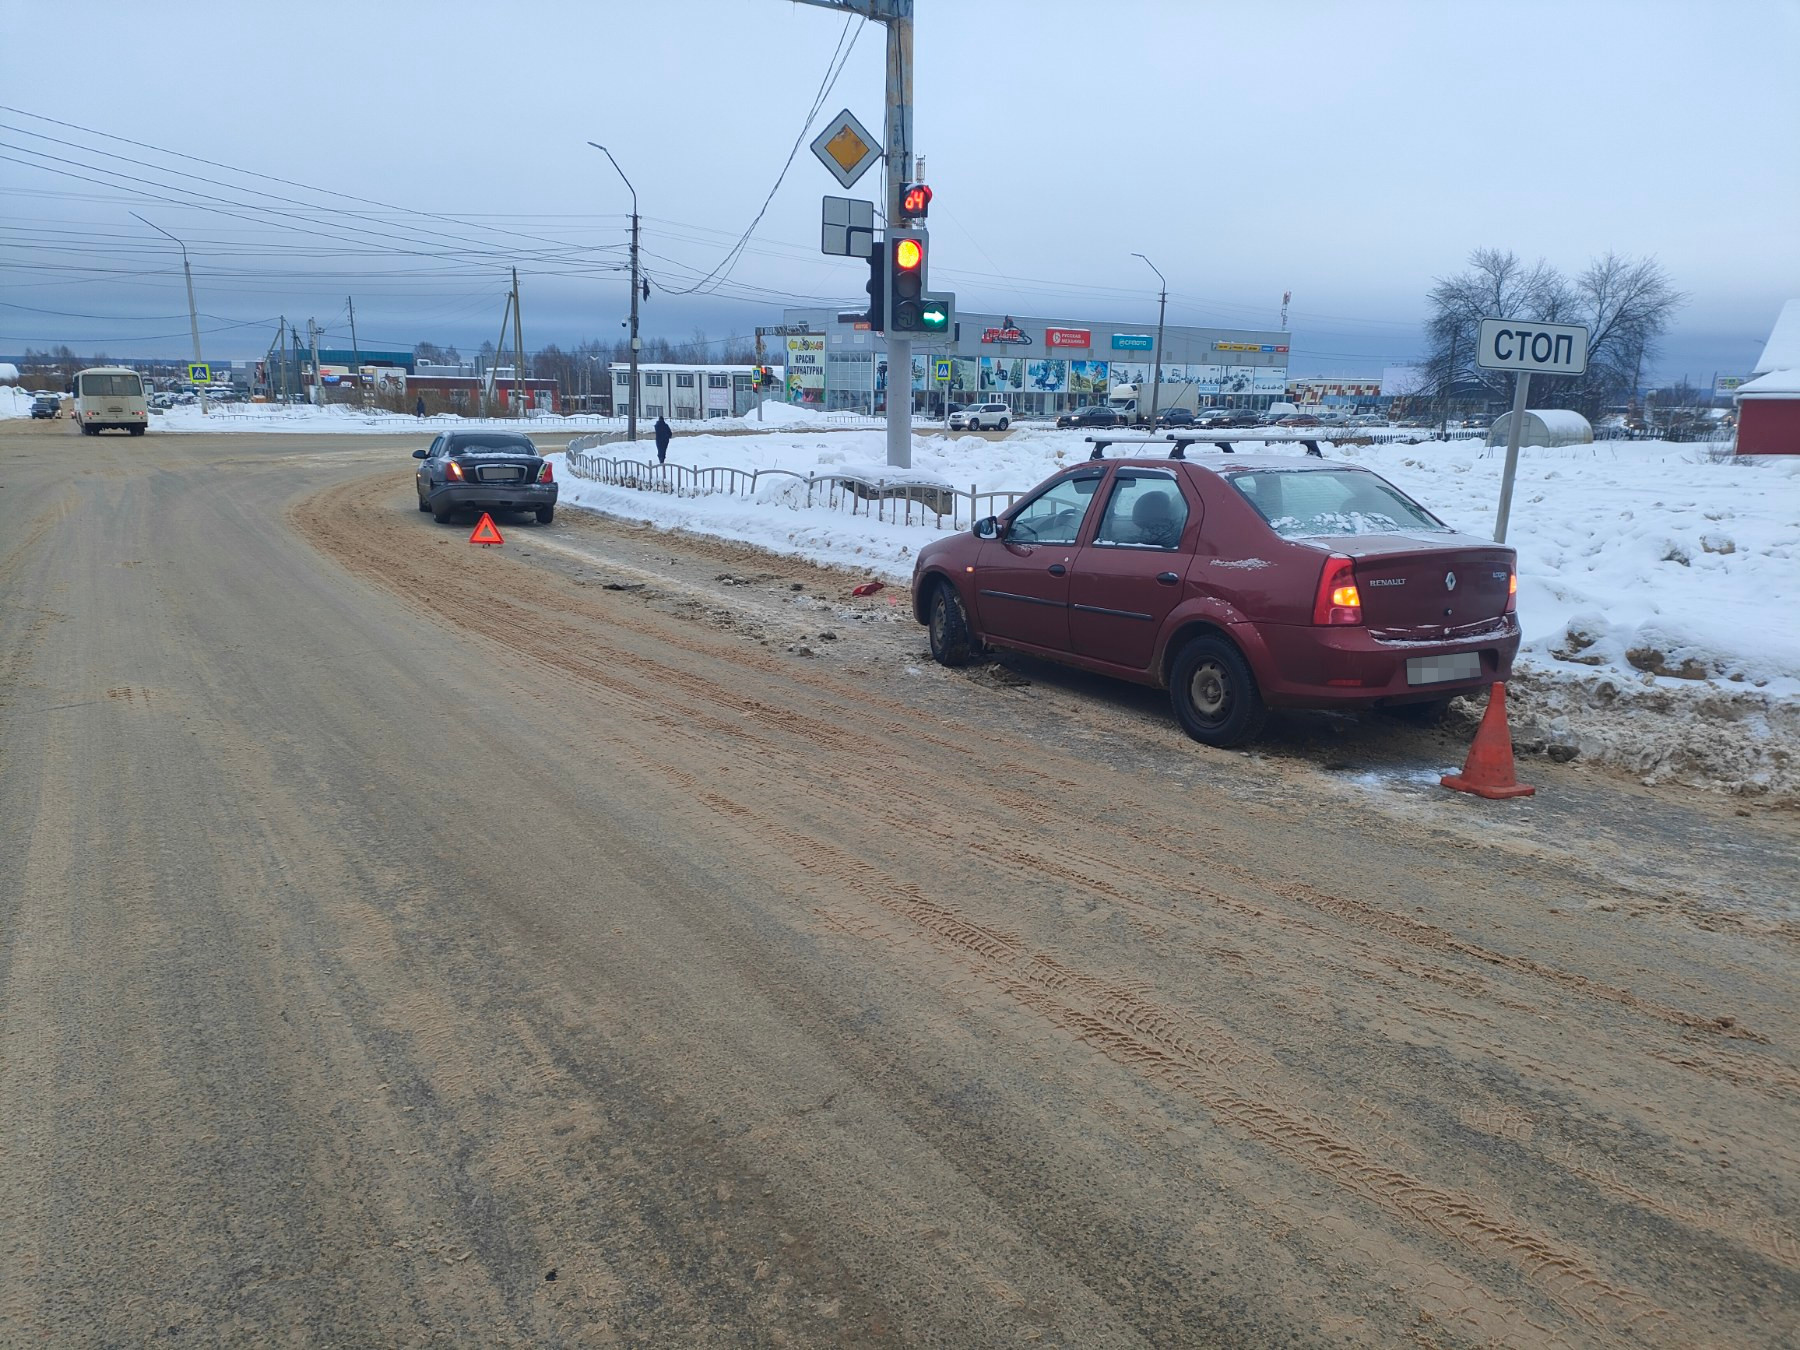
x=1348 y=152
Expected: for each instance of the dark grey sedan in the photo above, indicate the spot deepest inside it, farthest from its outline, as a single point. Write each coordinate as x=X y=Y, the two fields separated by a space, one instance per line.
x=486 y=470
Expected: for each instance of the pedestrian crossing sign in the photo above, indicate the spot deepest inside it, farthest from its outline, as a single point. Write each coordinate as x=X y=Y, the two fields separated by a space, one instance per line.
x=940 y=369
x=199 y=373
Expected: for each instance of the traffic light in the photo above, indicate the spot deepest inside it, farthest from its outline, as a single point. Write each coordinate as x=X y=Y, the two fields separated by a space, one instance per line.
x=915 y=201
x=905 y=282
x=877 y=315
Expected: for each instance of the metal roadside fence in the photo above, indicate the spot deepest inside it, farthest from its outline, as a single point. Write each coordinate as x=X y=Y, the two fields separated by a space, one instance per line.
x=898 y=501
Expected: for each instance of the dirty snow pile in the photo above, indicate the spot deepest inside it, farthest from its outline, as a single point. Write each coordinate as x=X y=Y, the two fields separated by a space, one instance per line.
x=1658 y=582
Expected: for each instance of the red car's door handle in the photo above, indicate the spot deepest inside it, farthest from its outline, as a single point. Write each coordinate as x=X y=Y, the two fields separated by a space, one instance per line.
x=1167 y=578
x=1057 y=570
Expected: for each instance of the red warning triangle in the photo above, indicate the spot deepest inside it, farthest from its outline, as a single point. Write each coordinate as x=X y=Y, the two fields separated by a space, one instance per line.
x=486 y=532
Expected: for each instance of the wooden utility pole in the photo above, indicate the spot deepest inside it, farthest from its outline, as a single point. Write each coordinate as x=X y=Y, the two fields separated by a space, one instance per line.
x=356 y=354
x=518 y=349
x=492 y=375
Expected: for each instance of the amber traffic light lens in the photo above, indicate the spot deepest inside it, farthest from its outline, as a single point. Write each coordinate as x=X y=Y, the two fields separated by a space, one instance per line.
x=908 y=254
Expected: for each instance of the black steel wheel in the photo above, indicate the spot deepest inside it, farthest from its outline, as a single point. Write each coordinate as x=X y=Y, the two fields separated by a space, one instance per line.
x=1214 y=693
x=952 y=644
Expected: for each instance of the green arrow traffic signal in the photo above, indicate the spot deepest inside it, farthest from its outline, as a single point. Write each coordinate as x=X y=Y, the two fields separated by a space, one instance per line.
x=933 y=317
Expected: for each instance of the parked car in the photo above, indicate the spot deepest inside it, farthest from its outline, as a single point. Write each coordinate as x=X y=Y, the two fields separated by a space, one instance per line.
x=1298 y=420
x=1175 y=417
x=1239 y=584
x=492 y=470
x=46 y=405
x=982 y=417
x=1093 y=415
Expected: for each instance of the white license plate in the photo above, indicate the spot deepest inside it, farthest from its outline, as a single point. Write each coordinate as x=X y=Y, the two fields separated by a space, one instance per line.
x=502 y=475
x=1442 y=669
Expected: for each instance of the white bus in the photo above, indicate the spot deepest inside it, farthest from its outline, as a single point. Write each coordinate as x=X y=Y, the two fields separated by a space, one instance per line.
x=110 y=396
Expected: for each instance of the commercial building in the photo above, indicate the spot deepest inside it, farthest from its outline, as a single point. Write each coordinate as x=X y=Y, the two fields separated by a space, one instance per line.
x=1040 y=366
x=688 y=393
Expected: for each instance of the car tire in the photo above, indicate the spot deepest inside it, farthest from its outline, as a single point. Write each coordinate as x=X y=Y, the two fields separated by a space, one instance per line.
x=952 y=644
x=135 y=431
x=546 y=514
x=1214 y=693
x=424 y=505
x=441 y=512
x=1003 y=424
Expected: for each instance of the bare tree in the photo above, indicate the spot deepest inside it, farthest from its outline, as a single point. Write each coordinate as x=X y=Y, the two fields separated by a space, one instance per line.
x=1497 y=285
x=1626 y=305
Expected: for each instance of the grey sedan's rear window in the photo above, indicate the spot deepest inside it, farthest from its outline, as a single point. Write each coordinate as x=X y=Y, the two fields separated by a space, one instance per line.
x=1308 y=503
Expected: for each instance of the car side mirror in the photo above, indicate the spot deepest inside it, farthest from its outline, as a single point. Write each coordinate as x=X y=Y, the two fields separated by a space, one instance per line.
x=988 y=527
x=421 y=454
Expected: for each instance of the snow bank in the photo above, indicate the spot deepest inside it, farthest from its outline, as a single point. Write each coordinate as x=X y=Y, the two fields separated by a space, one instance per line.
x=15 y=402
x=1657 y=581
x=341 y=418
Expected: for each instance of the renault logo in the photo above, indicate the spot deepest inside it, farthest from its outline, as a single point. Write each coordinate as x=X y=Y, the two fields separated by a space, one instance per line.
x=1449 y=581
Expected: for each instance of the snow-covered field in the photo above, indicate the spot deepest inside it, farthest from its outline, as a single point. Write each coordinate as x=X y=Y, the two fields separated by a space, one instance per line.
x=1658 y=582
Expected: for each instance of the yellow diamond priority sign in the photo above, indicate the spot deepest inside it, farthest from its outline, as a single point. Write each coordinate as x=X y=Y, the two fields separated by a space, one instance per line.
x=846 y=148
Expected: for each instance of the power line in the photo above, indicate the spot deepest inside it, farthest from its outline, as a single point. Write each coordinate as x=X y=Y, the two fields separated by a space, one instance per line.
x=729 y=261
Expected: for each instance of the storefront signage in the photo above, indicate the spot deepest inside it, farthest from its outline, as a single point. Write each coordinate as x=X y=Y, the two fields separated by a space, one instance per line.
x=1132 y=342
x=1007 y=334
x=1068 y=337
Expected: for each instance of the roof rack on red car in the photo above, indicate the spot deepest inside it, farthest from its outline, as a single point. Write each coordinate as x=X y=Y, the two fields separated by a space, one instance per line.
x=1181 y=441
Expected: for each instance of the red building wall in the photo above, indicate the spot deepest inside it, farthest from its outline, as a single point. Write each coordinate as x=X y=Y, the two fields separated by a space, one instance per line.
x=1768 y=426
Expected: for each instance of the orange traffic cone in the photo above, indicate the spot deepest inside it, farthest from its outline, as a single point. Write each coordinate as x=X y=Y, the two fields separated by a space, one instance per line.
x=1488 y=771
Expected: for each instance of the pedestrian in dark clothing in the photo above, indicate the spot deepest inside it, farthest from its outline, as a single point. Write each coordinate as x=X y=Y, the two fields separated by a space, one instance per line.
x=663 y=437
x=419 y=407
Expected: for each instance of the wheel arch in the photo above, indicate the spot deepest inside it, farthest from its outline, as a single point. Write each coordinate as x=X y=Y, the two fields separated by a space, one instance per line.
x=927 y=584
x=1240 y=635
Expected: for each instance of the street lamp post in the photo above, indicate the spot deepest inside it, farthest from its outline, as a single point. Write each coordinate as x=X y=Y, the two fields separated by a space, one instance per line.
x=1162 y=305
x=631 y=416
x=193 y=314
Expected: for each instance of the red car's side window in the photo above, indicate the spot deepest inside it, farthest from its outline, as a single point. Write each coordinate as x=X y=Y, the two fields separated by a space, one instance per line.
x=1145 y=510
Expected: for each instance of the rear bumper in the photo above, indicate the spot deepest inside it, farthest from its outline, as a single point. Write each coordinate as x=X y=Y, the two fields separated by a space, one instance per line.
x=1313 y=667
x=495 y=496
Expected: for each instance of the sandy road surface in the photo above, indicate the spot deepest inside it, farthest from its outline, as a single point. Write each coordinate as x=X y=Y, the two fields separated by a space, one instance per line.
x=388 y=926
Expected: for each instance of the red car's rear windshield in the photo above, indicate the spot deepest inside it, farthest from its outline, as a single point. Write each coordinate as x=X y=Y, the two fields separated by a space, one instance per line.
x=1307 y=503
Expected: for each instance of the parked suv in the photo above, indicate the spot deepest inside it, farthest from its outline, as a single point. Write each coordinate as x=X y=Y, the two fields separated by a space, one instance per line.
x=1239 y=585
x=492 y=470
x=982 y=417
x=46 y=405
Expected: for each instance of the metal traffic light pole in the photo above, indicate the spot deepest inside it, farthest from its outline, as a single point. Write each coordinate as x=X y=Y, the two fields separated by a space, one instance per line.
x=897 y=142
x=897 y=135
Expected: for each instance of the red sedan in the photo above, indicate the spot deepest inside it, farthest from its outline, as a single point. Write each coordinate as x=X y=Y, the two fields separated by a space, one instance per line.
x=1239 y=584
